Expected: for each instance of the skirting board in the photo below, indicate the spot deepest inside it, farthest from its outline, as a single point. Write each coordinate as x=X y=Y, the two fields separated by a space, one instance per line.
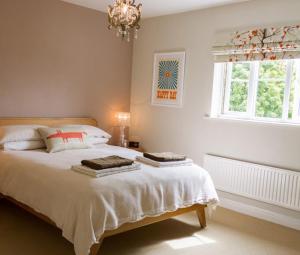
x=260 y=213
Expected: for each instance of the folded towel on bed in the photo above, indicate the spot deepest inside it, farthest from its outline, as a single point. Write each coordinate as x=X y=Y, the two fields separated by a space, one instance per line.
x=105 y=172
x=186 y=162
x=164 y=156
x=107 y=162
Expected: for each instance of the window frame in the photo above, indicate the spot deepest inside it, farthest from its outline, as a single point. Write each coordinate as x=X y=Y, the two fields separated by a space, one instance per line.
x=222 y=91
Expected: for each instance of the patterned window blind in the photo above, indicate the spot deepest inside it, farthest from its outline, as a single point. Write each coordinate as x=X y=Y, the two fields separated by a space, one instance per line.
x=258 y=44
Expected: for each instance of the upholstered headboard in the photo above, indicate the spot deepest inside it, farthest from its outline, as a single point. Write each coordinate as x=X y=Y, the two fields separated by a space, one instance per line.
x=47 y=121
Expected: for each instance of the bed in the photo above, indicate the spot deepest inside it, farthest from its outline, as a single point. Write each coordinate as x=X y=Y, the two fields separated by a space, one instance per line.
x=89 y=209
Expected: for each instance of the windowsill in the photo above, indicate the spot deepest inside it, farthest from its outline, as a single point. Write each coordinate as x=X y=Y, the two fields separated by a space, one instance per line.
x=254 y=121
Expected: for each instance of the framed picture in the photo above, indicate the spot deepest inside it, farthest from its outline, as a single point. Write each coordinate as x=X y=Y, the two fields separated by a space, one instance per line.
x=168 y=79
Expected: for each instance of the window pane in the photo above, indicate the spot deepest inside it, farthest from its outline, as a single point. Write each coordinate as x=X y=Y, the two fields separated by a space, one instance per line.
x=272 y=70
x=238 y=96
x=270 y=92
x=241 y=71
x=292 y=92
x=270 y=99
x=294 y=106
x=239 y=87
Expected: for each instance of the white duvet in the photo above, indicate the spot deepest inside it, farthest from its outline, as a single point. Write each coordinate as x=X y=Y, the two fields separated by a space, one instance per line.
x=84 y=207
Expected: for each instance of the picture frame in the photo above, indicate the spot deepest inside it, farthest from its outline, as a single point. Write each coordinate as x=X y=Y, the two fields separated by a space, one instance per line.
x=168 y=79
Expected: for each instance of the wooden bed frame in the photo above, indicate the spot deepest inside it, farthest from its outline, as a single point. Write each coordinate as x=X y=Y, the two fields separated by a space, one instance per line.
x=199 y=209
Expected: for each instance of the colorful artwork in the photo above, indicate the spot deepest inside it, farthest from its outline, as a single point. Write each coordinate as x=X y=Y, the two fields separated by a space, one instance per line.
x=168 y=79
x=168 y=74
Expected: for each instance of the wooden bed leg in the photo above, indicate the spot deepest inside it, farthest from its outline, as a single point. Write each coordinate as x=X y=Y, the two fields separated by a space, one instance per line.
x=201 y=215
x=96 y=247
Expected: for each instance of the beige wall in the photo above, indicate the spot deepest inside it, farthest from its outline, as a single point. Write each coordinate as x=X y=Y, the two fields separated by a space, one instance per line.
x=186 y=130
x=58 y=59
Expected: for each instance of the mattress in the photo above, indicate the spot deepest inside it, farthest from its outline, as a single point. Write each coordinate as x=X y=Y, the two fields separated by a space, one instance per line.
x=84 y=207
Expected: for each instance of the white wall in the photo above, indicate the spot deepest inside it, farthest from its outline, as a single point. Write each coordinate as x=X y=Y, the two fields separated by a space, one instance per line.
x=60 y=60
x=186 y=130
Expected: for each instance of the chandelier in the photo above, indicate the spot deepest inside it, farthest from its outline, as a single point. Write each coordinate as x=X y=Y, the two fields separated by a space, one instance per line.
x=124 y=16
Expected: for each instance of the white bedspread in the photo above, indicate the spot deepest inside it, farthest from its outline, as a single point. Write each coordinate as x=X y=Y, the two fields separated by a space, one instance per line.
x=84 y=207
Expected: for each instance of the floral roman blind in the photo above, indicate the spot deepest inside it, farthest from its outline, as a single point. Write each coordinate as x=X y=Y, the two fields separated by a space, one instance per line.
x=258 y=44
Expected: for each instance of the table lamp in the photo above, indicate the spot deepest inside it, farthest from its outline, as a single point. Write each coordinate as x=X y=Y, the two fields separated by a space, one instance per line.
x=123 y=120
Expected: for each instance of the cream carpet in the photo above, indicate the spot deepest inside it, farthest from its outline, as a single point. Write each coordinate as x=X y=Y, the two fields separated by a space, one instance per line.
x=229 y=234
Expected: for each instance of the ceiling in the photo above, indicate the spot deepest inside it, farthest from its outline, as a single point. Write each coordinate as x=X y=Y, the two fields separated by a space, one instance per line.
x=152 y=8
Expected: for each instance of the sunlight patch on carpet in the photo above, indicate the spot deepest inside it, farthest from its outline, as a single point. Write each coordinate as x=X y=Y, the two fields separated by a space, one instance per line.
x=191 y=241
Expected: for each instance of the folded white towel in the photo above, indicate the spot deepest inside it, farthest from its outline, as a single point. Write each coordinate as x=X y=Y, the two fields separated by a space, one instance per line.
x=187 y=162
x=105 y=172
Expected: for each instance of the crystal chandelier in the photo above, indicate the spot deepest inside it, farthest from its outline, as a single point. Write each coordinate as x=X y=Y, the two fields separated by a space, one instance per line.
x=124 y=16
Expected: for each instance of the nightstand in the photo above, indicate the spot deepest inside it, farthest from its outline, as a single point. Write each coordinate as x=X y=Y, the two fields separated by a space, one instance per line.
x=140 y=149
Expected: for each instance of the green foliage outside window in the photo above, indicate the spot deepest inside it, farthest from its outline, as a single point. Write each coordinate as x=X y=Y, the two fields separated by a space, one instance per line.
x=239 y=95
x=239 y=87
x=269 y=99
x=270 y=92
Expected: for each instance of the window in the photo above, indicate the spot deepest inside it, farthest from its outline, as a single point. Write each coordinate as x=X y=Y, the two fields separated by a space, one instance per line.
x=258 y=90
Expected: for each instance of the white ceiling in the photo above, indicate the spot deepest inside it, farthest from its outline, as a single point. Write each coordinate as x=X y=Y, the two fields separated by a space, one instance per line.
x=152 y=8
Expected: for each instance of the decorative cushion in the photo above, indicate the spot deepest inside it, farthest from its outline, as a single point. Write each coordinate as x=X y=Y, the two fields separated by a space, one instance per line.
x=67 y=138
x=90 y=130
x=24 y=145
x=15 y=133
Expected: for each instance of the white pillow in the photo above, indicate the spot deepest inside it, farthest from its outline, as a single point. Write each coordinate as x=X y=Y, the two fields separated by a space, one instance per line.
x=17 y=133
x=24 y=145
x=97 y=140
x=90 y=130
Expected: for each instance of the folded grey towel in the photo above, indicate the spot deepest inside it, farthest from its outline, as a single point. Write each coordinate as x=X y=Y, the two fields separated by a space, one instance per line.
x=164 y=156
x=107 y=162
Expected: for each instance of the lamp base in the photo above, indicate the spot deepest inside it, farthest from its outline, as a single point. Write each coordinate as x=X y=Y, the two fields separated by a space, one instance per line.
x=122 y=141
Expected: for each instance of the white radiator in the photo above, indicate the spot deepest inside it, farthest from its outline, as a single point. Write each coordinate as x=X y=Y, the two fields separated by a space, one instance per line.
x=268 y=184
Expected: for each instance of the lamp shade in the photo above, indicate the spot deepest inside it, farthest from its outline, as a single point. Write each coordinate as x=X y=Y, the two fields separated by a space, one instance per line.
x=123 y=118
